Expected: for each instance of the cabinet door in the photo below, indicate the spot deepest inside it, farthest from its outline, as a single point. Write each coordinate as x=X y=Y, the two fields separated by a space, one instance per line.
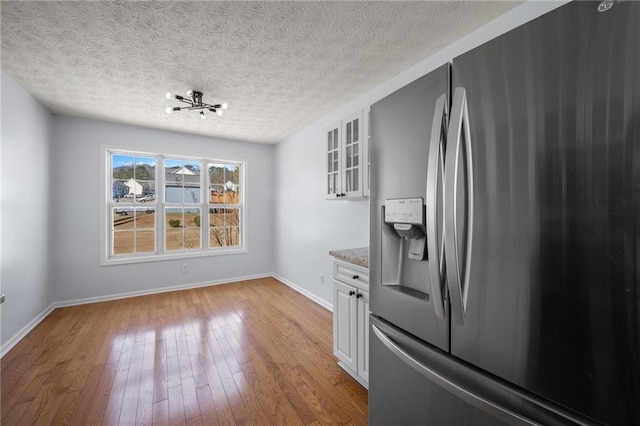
x=332 y=161
x=352 y=154
x=363 y=336
x=344 y=324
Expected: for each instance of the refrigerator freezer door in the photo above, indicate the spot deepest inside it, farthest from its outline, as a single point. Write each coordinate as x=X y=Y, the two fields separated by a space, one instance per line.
x=553 y=301
x=415 y=383
x=401 y=290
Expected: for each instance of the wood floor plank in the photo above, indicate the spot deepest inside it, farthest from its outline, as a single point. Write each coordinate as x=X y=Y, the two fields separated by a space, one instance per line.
x=252 y=352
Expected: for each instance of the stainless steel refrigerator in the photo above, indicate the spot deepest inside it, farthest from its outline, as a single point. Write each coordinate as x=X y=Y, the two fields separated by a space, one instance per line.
x=505 y=230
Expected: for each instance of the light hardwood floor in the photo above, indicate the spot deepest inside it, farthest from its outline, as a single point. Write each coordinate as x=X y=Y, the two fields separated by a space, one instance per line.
x=251 y=352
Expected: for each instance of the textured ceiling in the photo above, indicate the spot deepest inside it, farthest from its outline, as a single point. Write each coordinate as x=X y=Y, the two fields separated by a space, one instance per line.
x=279 y=65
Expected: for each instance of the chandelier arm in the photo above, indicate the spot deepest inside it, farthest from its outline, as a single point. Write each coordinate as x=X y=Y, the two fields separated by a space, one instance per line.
x=186 y=101
x=193 y=108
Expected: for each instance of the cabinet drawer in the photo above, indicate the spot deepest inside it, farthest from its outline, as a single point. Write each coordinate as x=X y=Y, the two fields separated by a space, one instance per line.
x=351 y=274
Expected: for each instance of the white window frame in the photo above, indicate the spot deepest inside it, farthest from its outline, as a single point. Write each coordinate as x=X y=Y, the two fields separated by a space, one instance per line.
x=107 y=204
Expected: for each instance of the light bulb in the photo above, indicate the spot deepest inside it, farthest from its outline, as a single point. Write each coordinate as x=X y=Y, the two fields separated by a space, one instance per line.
x=168 y=95
x=224 y=106
x=219 y=112
x=189 y=93
x=202 y=115
x=169 y=109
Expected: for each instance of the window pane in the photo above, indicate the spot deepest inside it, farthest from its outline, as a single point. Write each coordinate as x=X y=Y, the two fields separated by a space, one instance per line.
x=146 y=241
x=182 y=228
x=122 y=166
x=182 y=181
x=173 y=239
x=122 y=242
x=145 y=217
x=216 y=217
x=224 y=227
x=192 y=228
x=232 y=184
x=145 y=168
x=217 y=237
x=224 y=183
x=234 y=236
x=174 y=223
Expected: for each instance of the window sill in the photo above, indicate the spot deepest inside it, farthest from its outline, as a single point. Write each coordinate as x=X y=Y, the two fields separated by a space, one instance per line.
x=171 y=256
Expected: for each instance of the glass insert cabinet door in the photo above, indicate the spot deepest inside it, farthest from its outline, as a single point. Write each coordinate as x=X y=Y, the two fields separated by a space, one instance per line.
x=344 y=158
x=333 y=183
x=352 y=152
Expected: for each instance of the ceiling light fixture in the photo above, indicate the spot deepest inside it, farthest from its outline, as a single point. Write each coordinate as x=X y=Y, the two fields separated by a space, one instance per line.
x=194 y=100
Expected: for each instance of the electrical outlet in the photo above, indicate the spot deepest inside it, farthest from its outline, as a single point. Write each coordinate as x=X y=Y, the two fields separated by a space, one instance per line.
x=185 y=267
x=321 y=279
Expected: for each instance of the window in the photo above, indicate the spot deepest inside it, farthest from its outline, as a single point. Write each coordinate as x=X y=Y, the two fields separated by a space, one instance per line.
x=144 y=223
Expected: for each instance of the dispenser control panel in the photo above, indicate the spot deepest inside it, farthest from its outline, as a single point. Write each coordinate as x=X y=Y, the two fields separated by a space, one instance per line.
x=404 y=210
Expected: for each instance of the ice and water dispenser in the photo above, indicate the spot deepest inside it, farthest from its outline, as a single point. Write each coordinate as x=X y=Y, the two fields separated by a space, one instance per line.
x=404 y=253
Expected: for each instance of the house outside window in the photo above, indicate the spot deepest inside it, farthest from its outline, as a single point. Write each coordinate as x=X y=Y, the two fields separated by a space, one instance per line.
x=144 y=223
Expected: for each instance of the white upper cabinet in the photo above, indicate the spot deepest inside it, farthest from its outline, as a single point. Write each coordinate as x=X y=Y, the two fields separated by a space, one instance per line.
x=346 y=158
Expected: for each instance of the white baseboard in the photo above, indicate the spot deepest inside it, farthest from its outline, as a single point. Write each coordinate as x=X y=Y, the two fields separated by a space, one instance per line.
x=9 y=344
x=117 y=296
x=307 y=293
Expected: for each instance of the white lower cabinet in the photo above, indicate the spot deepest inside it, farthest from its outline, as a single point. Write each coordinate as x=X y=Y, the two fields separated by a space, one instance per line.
x=351 y=319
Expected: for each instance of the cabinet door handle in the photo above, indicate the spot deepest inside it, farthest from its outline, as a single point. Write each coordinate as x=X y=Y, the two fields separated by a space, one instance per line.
x=355 y=277
x=358 y=296
x=351 y=293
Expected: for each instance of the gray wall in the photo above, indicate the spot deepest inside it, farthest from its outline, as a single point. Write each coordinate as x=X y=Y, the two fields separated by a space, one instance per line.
x=25 y=221
x=77 y=232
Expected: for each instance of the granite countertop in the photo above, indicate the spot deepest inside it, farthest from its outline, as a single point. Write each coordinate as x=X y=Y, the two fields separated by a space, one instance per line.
x=357 y=256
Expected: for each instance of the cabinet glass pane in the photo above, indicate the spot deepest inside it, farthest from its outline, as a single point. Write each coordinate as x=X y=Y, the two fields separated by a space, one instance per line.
x=348 y=189
x=356 y=135
x=348 y=135
x=355 y=160
x=335 y=182
x=349 y=156
x=335 y=138
x=329 y=163
x=329 y=141
x=329 y=184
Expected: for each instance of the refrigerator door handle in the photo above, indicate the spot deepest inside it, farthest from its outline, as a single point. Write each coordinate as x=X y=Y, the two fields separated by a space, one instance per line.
x=458 y=139
x=435 y=170
x=471 y=398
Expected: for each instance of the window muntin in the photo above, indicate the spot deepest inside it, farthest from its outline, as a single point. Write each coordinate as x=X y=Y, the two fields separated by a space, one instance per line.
x=142 y=223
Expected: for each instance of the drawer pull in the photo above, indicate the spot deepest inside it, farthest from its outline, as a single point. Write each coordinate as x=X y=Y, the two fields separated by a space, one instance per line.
x=358 y=296
x=355 y=277
x=351 y=293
